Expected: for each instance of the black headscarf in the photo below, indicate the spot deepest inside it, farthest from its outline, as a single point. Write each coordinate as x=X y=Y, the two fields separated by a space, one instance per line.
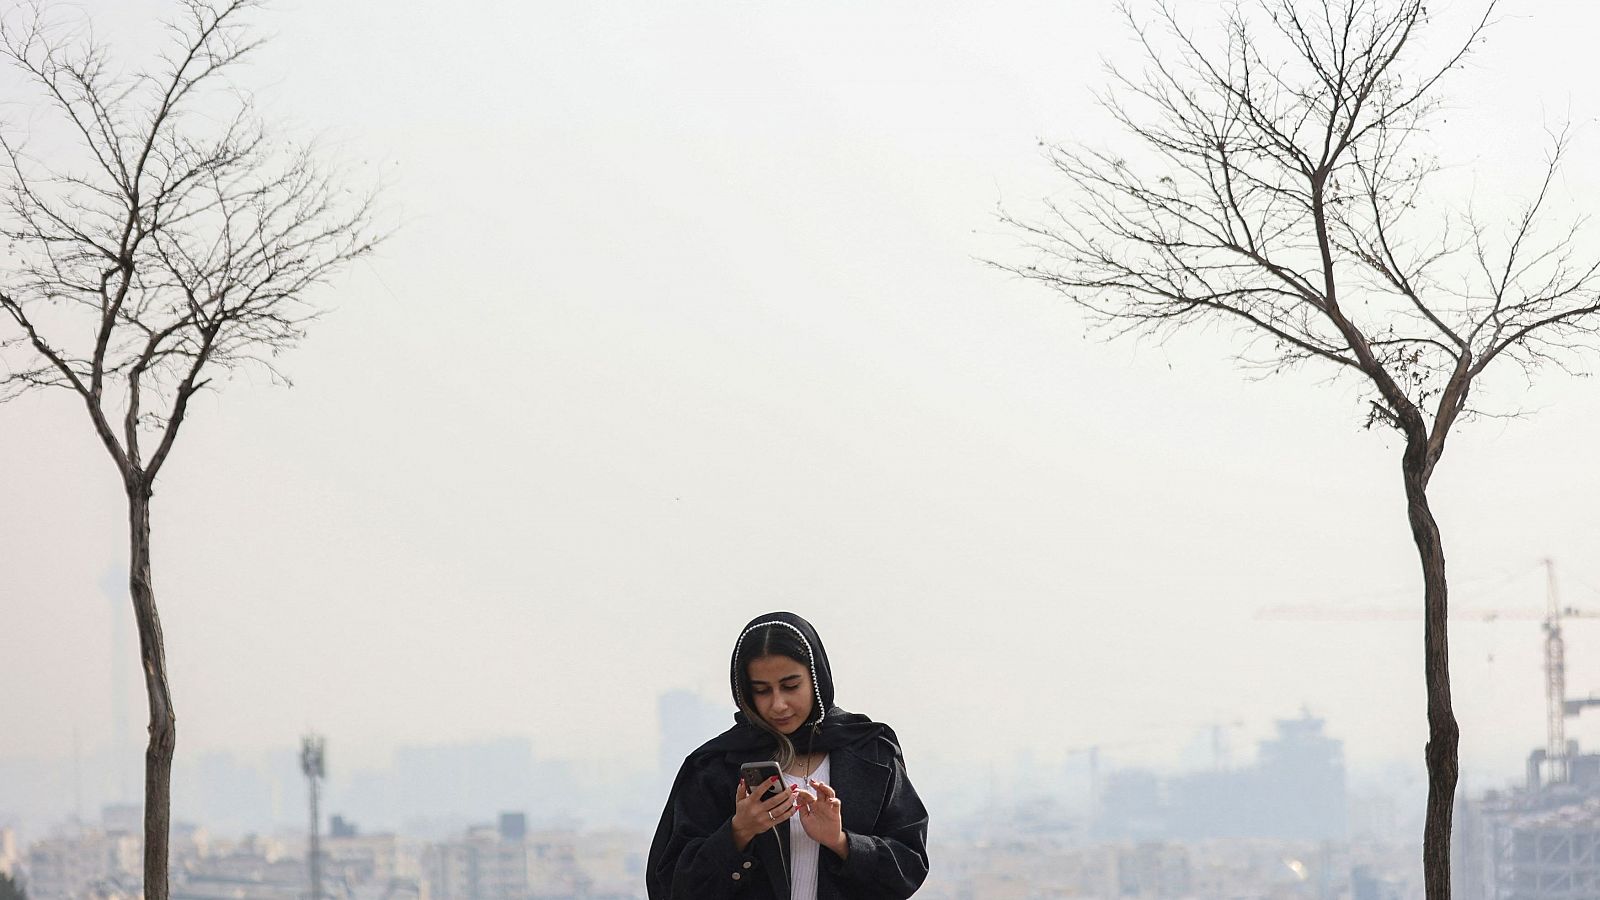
x=828 y=727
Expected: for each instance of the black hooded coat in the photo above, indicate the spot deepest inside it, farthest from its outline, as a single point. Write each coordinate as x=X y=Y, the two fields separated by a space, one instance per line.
x=693 y=856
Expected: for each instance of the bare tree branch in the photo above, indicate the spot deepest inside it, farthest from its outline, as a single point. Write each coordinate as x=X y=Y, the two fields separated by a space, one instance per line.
x=161 y=237
x=1272 y=185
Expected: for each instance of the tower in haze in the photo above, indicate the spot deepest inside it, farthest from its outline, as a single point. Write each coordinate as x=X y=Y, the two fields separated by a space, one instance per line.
x=114 y=587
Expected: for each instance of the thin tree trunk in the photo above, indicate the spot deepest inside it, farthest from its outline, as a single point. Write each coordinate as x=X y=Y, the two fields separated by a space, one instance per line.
x=163 y=723
x=1443 y=733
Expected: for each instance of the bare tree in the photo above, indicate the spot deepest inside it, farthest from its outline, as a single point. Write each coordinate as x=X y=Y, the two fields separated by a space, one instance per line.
x=1283 y=187
x=160 y=237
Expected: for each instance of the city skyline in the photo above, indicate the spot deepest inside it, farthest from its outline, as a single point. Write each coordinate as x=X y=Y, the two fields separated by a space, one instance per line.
x=688 y=319
x=1026 y=831
x=429 y=789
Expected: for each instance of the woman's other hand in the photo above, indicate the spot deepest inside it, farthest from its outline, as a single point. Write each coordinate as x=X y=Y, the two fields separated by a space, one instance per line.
x=752 y=815
x=821 y=817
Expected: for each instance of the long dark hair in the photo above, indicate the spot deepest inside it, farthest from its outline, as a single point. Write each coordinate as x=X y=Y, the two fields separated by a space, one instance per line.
x=775 y=639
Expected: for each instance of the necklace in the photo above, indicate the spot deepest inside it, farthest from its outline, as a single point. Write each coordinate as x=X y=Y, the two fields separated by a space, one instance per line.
x=810 y=757
x=809 y=761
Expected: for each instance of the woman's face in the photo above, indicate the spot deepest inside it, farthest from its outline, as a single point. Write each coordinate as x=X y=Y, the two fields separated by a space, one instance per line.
x=781 y=692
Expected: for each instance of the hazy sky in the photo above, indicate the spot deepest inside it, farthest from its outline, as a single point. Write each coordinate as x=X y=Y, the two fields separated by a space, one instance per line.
x=685 y=321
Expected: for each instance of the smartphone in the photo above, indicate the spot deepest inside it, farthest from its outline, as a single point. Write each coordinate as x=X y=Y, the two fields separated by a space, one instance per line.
x=757 y=773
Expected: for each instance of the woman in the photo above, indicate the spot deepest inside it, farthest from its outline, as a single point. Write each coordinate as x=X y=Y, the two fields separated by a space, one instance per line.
x=849 y=826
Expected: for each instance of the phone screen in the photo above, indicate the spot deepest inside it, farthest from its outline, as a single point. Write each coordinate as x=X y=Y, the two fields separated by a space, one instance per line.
x=756 y=774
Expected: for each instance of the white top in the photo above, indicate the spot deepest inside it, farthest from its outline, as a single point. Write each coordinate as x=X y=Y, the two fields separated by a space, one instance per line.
x=803 y=865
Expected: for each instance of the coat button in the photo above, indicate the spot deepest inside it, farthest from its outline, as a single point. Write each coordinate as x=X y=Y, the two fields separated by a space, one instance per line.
x=736 y=876
x=747 y=864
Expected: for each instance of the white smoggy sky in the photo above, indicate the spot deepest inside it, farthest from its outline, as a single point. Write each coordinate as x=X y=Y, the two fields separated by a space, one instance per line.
x=686 y=320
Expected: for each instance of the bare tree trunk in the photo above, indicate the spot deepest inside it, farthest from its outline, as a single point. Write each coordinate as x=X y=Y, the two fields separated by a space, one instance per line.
x=1443 y=733
x=163 y=723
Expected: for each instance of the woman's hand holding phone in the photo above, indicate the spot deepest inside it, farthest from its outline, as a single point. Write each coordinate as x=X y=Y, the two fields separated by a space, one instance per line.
x=752 y=815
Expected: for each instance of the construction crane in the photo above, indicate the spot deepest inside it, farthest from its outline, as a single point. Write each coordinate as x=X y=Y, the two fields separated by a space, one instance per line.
x=1557 y=706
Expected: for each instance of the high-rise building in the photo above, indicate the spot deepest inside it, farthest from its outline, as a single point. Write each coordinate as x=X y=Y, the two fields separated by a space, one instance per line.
x=8 y=851
x=687 y=720
x=114 y=587
x=1301 y=770
x=1294 y=791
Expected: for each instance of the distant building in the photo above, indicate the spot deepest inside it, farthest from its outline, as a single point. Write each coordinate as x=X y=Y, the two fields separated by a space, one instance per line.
x=505 y=863
x=355 y=867
x=375 y=866
x=513 y=826
x=1153 y=870
x=612 y=863
x=1295 y=791
x=1302 y=770
x=1540 y=842
x=228 y=794
x=1133 y=806
x=687 y=721
x=257 y=868
x=68 y=866
x=8 y=852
